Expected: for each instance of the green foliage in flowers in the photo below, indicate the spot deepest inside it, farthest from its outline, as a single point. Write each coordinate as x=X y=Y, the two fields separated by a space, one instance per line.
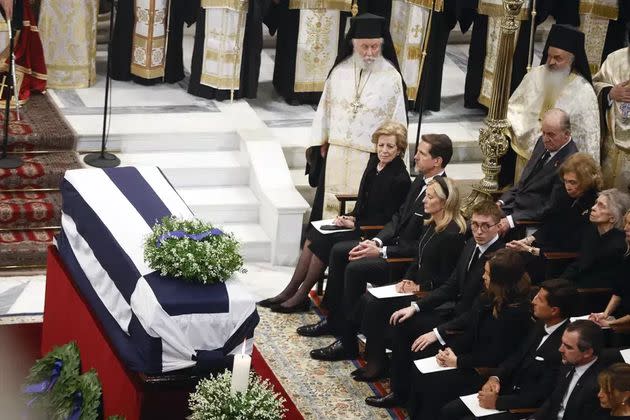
x=209 y=260
x=212 y=400
x=63 y=400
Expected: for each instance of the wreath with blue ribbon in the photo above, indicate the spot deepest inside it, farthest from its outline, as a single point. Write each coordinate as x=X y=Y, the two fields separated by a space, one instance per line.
x=192 y=250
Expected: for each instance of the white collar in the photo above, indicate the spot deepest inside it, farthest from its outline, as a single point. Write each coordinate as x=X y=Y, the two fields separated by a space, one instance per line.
x=551 y=329
x=552 y=154
x=427 y=179
x=483 y=248
x=579 y=370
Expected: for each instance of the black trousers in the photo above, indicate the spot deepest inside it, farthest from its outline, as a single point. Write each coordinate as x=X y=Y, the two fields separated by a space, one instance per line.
x=404 y=335
x=347 y=281
x=433 y=391
x=457 y=410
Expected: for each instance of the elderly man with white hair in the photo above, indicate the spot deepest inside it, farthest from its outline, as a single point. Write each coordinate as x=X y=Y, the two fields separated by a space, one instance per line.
x=564 y=82
x=363 y=90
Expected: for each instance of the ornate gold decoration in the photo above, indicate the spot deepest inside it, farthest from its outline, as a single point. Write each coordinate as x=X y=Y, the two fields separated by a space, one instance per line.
x=355 y=8
x=493 y=139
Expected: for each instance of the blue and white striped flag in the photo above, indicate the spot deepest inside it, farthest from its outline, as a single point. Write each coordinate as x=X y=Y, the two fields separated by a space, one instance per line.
x=156 y=323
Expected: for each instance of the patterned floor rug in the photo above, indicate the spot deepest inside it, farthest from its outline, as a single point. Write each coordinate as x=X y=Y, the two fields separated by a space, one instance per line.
x=46 y=145
x=320 y=390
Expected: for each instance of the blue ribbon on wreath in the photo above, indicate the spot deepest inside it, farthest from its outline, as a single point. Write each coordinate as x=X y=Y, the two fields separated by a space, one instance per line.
x=77 y=405
x=46 y=385
x=179 y=234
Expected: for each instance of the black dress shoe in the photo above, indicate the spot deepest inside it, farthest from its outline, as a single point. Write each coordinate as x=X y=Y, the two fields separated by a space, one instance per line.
x=268 y=303
x=363 y=377
x=388 y=401
x=316 y=330
x=332 y=353
x=303 y=306
x=357 y=371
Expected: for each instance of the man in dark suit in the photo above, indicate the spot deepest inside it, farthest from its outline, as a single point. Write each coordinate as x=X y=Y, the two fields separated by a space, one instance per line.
x=354 y=264
x=530 y=198
x=527 y=377
x=575 y=393
x=451 y=299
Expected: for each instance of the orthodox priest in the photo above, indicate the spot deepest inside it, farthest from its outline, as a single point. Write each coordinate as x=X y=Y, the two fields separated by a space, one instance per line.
x=147 y=39
x=68 y=30
x=563 y=81
x=309 y=34
x=364 y=89
x=612 y=84
x=30 y=67
x=420 y=31
x=228 y=44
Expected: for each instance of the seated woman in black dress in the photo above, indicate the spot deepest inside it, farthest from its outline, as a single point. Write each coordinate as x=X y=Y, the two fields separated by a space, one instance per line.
x=562 y=230
x=603 y=244
x=494 y=328
x=438 y=250
x=617 y=312
x=614 y=390
x=384 y=187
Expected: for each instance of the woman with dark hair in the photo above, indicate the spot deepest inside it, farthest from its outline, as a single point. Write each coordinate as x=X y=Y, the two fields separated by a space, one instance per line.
x=614 y=390
x=439 y=247
x=494 y=327
x=383 y=189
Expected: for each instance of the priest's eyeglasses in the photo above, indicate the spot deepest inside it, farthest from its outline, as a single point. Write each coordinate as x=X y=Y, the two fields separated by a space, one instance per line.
x=484 y=227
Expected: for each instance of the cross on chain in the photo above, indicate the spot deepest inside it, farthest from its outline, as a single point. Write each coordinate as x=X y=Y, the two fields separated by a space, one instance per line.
x=356 y=105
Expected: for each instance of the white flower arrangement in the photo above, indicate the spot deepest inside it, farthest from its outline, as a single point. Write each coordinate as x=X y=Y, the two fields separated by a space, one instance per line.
x=193 y=250
x=212 y=400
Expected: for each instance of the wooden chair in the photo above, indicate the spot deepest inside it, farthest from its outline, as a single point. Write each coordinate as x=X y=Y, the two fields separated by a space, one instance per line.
x=368 y=232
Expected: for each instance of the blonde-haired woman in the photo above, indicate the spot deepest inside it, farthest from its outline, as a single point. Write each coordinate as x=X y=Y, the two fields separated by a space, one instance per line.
x=439 y=247
x=614 y=390
x=384 y=186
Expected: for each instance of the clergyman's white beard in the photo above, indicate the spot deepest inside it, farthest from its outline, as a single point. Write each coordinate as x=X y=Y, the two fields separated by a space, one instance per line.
x=364 y=63
x=555 y=79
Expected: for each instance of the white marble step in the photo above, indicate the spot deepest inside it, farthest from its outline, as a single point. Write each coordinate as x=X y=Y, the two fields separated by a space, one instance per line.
x=157 y=132
x=255 y=243
x=222 y=204
x=222 y=168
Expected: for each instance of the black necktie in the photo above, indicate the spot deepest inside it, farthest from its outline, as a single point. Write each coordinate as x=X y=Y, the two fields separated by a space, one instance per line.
x=474 y=258
x=562 y=390
x=420 y=186
x=541 y=162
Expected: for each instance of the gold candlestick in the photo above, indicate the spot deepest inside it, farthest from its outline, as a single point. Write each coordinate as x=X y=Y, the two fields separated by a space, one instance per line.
x=493 y=139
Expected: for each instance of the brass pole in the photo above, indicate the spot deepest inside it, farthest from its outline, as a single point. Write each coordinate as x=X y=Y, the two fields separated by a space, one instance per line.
x=493 y=139
x=532 y=34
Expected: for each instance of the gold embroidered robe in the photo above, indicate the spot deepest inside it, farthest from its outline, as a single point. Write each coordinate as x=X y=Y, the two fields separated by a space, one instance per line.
x=525 y=110
x=616 y=150
x=350 y=135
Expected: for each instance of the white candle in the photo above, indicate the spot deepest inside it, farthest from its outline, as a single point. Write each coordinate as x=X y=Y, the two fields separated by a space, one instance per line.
x=240 y=373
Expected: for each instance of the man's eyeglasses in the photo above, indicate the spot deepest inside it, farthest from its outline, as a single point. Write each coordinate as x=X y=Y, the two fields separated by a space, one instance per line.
x=484 y=227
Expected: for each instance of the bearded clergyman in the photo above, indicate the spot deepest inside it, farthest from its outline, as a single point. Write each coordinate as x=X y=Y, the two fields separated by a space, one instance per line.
x=564 y=82
x=363 y=90
x=612 y=84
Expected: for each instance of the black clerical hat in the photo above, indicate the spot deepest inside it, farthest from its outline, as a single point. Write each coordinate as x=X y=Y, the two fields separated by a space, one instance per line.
x=569 y=38
x=367 y=26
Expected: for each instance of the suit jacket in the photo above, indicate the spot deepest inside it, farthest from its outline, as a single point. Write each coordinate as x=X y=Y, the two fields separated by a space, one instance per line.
x=530 y=199
x=435 y=256
x=529 y=375
x=402 y=232
x=463 y=286
x=380 y=195
x=583 y=402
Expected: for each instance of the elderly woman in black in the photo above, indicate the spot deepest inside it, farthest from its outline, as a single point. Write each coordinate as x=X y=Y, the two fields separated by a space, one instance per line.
x=562 y=230
x=603 y=244
x=384 y=186
x=438 y=250
x=617 y=312
x=494 y=327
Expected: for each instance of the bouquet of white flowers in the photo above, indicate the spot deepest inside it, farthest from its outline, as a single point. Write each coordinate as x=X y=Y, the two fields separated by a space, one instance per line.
x=212 y=400
x=193 y=250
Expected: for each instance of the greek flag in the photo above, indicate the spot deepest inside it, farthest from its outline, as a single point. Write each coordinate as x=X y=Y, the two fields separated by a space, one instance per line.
x=155 y=323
